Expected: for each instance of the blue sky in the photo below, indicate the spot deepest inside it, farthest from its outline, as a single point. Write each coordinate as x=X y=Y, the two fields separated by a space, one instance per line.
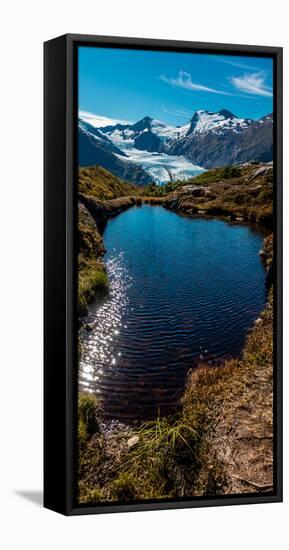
x=169 y=86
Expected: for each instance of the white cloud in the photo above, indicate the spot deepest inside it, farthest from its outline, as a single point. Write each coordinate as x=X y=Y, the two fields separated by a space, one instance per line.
x=177 y=112
x=98 y=120
x=253 y=83
x=184 y=81
x=232 y=61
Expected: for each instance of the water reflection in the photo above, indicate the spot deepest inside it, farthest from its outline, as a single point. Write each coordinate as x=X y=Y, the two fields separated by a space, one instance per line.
x=181 y=290
x=99 y=343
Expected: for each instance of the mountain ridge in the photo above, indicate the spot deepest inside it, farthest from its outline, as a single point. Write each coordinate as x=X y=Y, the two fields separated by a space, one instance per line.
x=251 y=141
x=208 y=140
x=92 y=151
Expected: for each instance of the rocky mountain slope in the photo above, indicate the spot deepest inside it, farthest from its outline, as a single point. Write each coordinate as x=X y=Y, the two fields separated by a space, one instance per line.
x=209 y=139
x=221 y=140
x=93 y=134
x=95 y=148
x=218 y=123
x=146 y=134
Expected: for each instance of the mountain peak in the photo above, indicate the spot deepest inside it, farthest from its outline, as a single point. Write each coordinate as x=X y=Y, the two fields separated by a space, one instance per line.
x=204 y=121
x=143 y=124
x=194 y=121
x=146 y=120
x=226 y=113
x=267 y=117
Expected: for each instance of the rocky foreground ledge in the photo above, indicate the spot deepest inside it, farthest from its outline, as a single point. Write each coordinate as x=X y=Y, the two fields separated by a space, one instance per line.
x=241 y=193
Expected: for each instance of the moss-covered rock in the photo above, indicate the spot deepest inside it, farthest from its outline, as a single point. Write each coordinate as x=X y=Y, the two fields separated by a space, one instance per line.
x=90 y=242
x=267 y=251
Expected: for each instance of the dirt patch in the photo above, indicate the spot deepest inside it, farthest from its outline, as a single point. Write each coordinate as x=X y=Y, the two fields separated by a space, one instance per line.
x=237 y=439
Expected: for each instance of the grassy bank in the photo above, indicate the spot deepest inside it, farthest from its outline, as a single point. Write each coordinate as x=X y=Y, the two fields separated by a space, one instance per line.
x=220 y=443
x=101 y=196
x=237 y=193
x=97 y=182
x=92 y=276
x=92 y=217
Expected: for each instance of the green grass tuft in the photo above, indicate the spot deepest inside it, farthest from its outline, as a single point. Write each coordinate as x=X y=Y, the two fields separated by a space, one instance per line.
x=87 y=410
x=90 y=495
x=124 y=488
x=92 y=281
x=149 y=468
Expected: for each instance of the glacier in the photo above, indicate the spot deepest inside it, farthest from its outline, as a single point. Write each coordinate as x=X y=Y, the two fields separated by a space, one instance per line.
x=162 y=167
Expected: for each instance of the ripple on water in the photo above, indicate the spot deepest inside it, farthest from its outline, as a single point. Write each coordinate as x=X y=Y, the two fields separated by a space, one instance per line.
x=178 y=287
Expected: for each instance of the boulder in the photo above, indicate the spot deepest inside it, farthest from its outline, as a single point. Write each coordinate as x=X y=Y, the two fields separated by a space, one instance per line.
x=194 y=190
x=133 y=441
x=262 y=171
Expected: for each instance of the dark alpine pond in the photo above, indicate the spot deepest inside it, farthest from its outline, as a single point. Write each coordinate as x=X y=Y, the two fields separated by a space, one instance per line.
x=181 y=290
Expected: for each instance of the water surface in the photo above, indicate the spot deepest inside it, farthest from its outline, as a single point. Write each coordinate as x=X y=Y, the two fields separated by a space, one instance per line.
x=181 y=289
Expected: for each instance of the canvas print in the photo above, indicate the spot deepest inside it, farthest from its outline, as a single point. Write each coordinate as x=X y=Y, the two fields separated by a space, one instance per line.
x=175 y=275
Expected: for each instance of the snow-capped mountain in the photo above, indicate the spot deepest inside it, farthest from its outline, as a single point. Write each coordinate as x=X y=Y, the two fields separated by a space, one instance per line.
x=146 y=134
x=129 y=151
x=152 y=150
x=217 y=139
x=205 y=121
x=99 y=121
x=217 y=129
x=151 y=135
x=95 y=148
x=93 y=134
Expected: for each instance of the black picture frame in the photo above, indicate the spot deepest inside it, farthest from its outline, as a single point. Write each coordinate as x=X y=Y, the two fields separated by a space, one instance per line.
x=60 y=277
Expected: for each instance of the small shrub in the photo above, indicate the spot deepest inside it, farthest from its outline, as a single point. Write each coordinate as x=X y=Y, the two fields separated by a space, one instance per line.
x=124 y=487
x=266 y=195
x=152 y=188
x=148 y=470
x=89 y=495
x=87 y=409
x=82 y=433
x=92 y=280
x=100 y=279
x=229 y=172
